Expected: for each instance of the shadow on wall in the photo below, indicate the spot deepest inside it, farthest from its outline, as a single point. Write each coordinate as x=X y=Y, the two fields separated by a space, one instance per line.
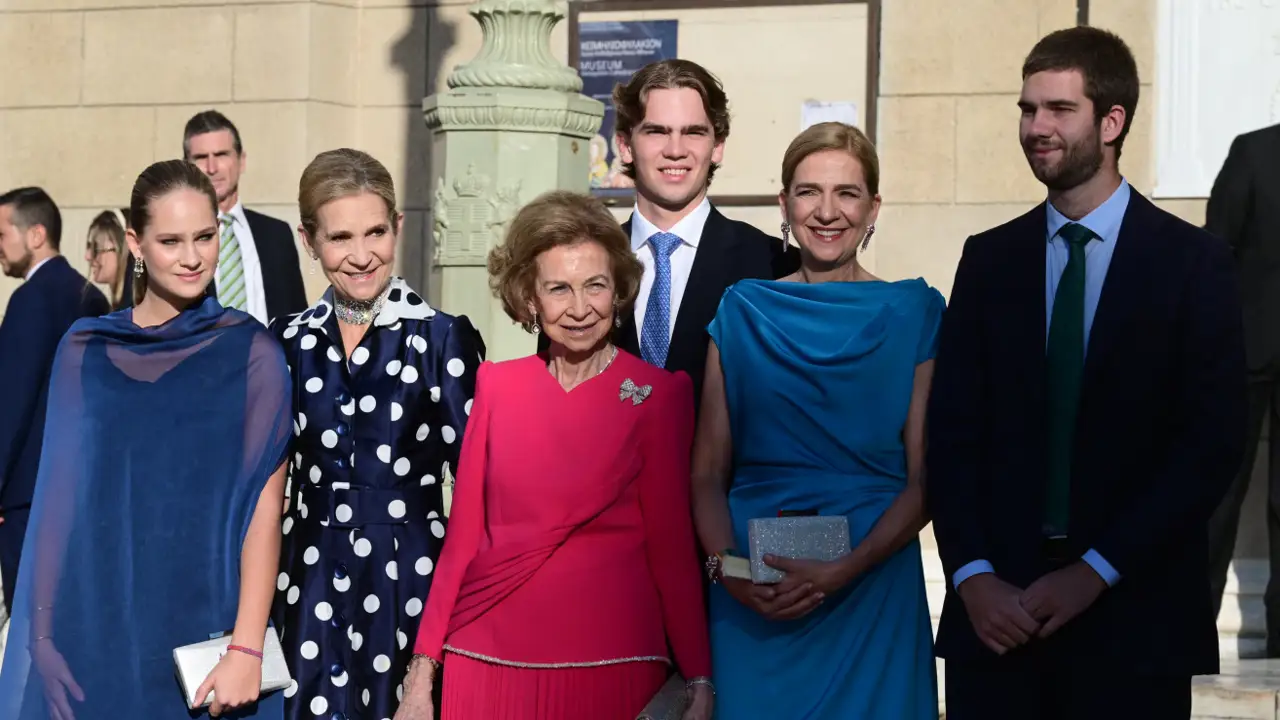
x=419 y=54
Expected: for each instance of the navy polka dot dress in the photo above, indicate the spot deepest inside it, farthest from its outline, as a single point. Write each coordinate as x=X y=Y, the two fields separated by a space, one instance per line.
x=376 y=438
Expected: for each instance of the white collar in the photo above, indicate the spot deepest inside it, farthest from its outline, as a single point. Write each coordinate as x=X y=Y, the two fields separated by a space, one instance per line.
x=402 y=304
x=237 y=214
x=688 y=229
x=32 y=271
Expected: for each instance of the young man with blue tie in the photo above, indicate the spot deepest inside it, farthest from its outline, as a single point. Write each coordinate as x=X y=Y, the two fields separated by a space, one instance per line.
x=672 y=124
x=1087 y=415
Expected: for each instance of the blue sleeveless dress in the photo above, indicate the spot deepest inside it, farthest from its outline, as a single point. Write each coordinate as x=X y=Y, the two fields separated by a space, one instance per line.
x=818 y=381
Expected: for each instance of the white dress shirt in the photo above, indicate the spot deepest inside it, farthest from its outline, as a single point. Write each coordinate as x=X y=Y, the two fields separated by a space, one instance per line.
x=32 y=271
x=255 y=294
x=689 y=230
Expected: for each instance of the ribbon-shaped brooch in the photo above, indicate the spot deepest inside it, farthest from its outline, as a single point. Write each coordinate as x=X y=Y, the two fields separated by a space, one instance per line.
x=635 y=393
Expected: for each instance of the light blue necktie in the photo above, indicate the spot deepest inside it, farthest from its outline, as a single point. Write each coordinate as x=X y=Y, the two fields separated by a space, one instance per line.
x=655 y=336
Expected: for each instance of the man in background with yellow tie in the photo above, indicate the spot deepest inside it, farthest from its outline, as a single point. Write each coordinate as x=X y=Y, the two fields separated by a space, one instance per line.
x=258 y=269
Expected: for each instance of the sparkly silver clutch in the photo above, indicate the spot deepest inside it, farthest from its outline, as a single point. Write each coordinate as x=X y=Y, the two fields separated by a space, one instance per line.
x=670 y=702
x=811 y=537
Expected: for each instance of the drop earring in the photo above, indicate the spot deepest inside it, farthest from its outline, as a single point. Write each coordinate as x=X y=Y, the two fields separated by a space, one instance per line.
x=866 y=239
x=534 y=327
x=617 y=317
x=786 y=233
x=313 y=265
x=138 y=269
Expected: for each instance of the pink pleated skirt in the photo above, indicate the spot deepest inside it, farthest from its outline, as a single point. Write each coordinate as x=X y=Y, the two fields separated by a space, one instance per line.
x=477 y=690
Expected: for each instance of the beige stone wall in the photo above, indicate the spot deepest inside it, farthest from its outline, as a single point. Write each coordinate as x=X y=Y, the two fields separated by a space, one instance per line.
x=95 y=90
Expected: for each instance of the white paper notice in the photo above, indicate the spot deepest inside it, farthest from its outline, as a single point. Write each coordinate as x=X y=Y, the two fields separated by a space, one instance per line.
x=817 y=111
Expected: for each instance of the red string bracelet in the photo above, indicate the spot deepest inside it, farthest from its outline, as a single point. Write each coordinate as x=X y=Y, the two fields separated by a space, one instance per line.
x=245 y=650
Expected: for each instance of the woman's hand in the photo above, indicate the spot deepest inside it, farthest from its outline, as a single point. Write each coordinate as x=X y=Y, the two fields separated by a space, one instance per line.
x=419 y=682
x=235 y=681
x=701 y=702
x=775 y=602
x=58 y=682
x=825 y=578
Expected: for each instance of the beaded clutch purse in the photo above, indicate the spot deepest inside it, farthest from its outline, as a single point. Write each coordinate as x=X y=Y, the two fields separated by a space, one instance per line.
x=812 y=537
x=193 y=663
x=670 y=702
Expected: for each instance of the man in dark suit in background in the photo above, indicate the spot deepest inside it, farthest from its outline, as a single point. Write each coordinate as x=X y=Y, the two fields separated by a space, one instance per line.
x=258 y=269
x=1087 y=415
x=1244 y=210
x=51 y=298
x=672 y=123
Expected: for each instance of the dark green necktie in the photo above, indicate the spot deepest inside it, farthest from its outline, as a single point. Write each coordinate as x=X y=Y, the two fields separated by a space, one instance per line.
x=1066 y=368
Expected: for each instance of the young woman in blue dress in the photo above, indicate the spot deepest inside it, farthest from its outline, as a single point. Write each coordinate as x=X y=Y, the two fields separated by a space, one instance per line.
x=156 y=520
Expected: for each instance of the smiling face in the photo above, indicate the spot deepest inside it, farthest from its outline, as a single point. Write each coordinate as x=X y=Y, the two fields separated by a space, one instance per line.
x=672 y=149
x=104 y=259
x=829 y=207
x=355 y=242
x=179 y=245
x=574 y=295
x=1061 y=135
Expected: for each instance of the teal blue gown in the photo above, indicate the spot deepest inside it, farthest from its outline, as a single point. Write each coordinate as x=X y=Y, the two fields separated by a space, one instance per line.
x=818 y=381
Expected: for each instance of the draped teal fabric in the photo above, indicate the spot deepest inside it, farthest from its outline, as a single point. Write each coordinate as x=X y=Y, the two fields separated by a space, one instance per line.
x=818 y=381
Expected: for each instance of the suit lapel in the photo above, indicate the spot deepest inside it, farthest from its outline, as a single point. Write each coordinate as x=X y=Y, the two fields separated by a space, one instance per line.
x=628 y=336
x=1027 y=295
x=1122 y=289
x=706 y=285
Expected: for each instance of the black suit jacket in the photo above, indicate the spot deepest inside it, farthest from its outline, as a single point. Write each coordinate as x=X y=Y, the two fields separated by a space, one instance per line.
x=281 y=272
x=1244 y=210
x=1160 y=435
x=729 y=251
x=40 y=312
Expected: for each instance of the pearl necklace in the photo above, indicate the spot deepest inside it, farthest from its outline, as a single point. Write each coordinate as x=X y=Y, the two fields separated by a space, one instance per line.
x=359 y=312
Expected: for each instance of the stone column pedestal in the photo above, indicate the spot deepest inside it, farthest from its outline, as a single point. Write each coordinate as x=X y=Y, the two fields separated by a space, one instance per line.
x=512 y=126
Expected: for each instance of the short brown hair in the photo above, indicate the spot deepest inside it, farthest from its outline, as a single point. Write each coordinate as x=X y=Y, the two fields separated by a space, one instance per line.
x=337 y=174
x=1109 y=70
x=554 y=219
x=158 y=180
x=630 y=98
x=832 y=136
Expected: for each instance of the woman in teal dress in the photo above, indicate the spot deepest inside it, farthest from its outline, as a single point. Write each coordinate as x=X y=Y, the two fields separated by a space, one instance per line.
x=814 y=400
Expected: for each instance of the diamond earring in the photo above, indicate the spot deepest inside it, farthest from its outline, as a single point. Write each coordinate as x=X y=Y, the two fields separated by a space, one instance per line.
x=138 y=269
x=533 y=326
x=866 y=239
x=786 y=232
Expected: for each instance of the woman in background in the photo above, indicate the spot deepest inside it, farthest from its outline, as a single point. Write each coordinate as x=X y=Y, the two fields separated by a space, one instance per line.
x=105 y=252
x=815 y=399
x=571 y=565
x=382 y=384
x=157 y=526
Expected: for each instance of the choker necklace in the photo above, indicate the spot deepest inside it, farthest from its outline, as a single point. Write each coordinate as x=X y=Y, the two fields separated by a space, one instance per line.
x=359 y=312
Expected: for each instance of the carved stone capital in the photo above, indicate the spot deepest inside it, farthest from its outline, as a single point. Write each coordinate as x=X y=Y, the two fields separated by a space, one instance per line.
x=534 y=111
x=516 y=52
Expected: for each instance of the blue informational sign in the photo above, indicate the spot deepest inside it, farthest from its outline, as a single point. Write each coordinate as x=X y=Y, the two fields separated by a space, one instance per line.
x=610 y=53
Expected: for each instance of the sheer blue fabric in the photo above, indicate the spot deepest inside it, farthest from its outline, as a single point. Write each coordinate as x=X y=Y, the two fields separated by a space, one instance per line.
x=158 y=444
x=818 y=381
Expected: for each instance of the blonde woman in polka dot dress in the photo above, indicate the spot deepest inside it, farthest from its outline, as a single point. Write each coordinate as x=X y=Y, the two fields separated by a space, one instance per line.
x=382 y=386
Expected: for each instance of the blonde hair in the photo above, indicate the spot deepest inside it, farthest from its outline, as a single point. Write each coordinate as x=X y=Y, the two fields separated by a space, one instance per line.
x=552 y=220
x=158 y=180
x=832 y=136
x=337 y=174
x=110 y=224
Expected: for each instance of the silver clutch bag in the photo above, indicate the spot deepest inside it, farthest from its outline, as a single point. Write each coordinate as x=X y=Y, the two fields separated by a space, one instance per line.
x=670 y=702
x=811 y=537
x=193 y=663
